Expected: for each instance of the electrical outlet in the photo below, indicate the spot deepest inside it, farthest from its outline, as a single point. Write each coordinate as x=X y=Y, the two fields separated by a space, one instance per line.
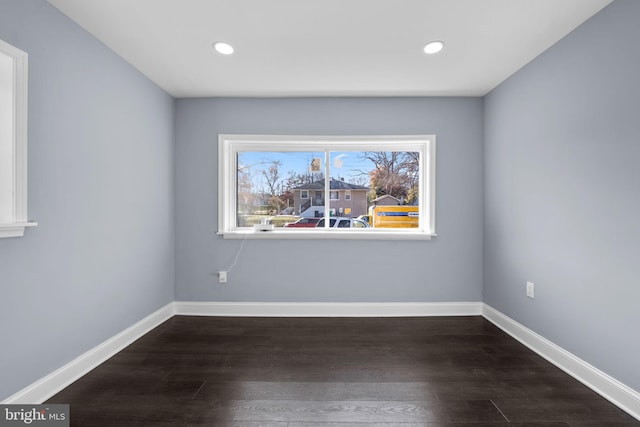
x=222 y=276
x=531 y=290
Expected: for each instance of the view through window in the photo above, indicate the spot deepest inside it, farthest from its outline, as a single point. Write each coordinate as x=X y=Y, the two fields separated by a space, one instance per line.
x=363 y=186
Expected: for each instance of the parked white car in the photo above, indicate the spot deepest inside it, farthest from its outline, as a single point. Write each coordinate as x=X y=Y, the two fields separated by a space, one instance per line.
x=342 y=222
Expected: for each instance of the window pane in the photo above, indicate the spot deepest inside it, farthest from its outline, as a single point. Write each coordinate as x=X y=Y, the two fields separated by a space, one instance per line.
x=382 y=184
x=395 y=189
x=279 y=188
x=283 y=188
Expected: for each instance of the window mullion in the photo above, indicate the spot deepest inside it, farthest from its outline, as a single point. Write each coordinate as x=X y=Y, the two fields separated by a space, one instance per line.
x=327 y=189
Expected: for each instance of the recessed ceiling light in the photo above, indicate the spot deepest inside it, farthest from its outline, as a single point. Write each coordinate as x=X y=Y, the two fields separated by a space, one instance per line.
x=223 y=48
x=433 y=47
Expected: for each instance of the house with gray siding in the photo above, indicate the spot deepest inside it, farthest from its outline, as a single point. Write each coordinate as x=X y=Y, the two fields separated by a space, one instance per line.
x=346 y=199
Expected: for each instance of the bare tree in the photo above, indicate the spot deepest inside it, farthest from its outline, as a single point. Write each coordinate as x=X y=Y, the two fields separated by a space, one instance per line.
x=296 y=179
x=271 y=177
x=245 y=189
x=396 y=173
x=359 y=180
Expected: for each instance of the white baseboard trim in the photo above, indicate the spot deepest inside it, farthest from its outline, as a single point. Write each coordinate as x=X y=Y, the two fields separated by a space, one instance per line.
x=618 y=393
x=611 y=389
x=321 y=309
x=46 y=387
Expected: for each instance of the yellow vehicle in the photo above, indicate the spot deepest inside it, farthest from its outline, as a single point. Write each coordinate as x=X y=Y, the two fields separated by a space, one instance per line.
x=394 y=216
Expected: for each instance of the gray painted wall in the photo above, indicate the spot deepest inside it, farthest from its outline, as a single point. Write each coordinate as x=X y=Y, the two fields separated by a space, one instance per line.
x=448 y=268
x=101 y=188
x=560 y=199
x=561 y=194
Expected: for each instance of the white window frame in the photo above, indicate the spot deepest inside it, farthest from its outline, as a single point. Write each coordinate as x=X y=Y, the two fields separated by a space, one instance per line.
x=304 y=194
x=347 y=194
x=229 y=145
x=17 y=146
x=336 y=192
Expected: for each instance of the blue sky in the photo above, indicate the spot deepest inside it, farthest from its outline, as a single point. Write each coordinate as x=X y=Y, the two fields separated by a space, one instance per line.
x=347 y=165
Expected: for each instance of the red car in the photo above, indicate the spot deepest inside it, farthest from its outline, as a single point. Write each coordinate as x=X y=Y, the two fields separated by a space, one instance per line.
x=303 y=223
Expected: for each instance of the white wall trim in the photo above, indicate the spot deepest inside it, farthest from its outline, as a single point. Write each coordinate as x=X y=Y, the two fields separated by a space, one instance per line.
x=229 y=145
x=321 y=309
x=46 y=387
x=611 y=389
x=17 y=145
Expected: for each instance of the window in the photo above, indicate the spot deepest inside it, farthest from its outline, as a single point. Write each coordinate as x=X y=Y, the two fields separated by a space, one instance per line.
x=13 y=141
x=371 y=187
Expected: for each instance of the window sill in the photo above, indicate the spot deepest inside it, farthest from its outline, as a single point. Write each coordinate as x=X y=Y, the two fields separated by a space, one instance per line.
x=15 y=229
x=326 y=235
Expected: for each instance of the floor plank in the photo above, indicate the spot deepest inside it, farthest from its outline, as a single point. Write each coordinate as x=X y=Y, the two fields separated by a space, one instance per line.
x=356 y=411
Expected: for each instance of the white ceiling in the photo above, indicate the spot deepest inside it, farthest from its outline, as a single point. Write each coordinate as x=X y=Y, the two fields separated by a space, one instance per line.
x=329 y=47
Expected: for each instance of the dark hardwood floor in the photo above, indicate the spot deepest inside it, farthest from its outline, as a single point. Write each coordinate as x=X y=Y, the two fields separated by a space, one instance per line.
x=344 y=372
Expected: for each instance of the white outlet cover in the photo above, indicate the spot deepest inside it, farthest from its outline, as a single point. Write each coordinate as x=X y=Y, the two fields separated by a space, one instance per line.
x=530 y=290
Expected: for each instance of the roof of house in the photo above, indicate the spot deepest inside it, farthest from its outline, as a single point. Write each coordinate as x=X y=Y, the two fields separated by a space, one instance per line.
x=334 y=184
x=386 y=196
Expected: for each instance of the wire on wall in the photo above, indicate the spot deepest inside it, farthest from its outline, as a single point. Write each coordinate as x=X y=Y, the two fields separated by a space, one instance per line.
x=235 y=260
